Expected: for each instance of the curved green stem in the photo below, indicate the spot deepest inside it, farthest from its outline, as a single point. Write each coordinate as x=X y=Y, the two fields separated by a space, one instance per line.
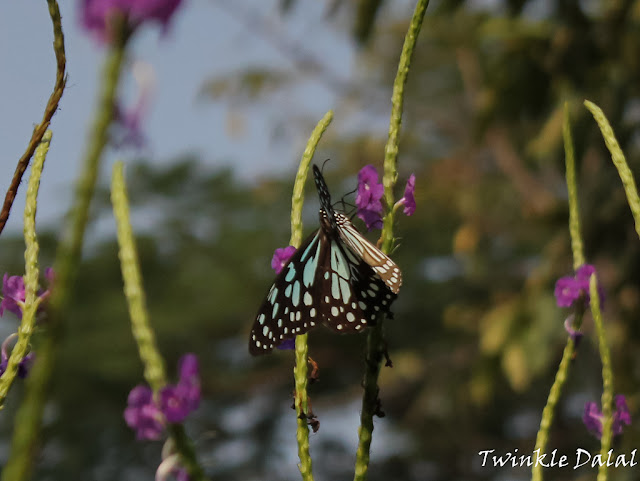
x=297 y=199
x=29 y=416
x=619 y=161
x=397 y=99
x=32 y=301
x=301 y=351
x=375 y=337
x=143 y=334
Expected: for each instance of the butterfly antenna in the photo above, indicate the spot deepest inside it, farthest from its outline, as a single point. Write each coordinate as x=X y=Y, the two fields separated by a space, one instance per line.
x=346 y=204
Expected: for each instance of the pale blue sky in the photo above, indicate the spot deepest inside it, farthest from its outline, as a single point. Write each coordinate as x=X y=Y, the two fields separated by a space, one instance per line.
x=204 y=40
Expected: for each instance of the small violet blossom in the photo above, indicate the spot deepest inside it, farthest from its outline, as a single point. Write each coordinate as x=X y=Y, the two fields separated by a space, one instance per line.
x=280 y=258
x=97 y=16
x=568 y=289
x=408 y=200
x=593 y=417
x=143 y=415
x=369 y=197
x=177 y=401
x=148 y=416
x=14 y=293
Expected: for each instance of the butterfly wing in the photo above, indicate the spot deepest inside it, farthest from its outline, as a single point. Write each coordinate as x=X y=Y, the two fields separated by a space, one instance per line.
x=388 y=271
x=288 y=309
x=351 y=294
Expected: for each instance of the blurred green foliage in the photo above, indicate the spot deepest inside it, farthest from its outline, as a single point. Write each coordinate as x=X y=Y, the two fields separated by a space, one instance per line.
x=476 y=337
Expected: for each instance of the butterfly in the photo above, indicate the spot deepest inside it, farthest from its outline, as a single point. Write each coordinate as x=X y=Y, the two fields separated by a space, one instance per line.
x=336 y=278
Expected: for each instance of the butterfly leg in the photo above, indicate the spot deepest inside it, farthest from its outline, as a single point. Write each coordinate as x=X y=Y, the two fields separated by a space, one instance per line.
x=315 y=371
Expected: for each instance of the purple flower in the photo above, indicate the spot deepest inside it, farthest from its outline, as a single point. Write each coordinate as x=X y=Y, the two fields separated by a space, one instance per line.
x=177 y=401
x=14 y=294
x=408 y=200
x=287 y=344
x=593 y=417
x=173 y=404
x=370 y=191
x=280 y=258
x=569 y=289
x=97 y=16
x=143 y=415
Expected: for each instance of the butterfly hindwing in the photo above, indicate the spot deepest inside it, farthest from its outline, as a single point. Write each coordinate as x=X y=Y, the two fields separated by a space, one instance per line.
x=379 y=262
x=352 y=294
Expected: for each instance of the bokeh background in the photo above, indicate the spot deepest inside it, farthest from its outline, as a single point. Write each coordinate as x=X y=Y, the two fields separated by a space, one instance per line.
x=477 y=336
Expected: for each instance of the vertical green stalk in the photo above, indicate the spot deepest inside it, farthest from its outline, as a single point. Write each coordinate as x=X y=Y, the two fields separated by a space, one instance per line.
x=29 y=416
x=154 y=371
x=32 y=301
x=578 y=260
x=619 y=161
x=375 y=337
x=143 y=334
x=397 y=99
x=572 y=189
x=607 y=376
x=301 y=350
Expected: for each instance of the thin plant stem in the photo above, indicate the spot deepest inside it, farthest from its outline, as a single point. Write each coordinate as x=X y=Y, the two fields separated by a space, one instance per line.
x=619 y=161
x=572 y=189
x=32 y=301
x=562 y=374
x=375 y=338
x=297 y=199
x=390 y=175
x=154 y=371
x=49 y=110
x=29 y=416
x=300 y=370
x=607 y=377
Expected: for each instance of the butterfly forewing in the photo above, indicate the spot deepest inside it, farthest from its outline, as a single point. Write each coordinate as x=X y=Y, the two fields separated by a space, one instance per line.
x=289 y=309
x=380 y=262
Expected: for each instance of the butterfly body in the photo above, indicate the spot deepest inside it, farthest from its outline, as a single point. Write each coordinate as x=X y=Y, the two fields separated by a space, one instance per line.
x=336 y=278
